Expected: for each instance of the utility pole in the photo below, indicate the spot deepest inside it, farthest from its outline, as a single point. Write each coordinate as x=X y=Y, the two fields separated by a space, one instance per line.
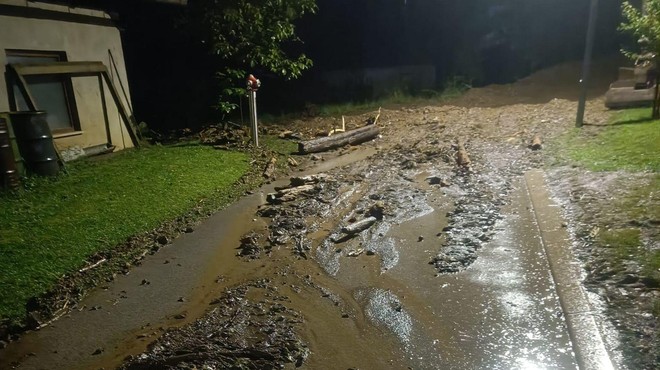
x=586 y=64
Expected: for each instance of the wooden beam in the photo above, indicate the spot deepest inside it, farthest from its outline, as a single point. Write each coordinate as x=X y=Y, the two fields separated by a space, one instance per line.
x=104 y=106
x=23 y=87
x=71 y=68
x=129 y=120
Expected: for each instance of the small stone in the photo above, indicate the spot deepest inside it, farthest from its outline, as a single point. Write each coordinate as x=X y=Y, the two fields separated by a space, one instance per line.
x=434 y=180
x=181 y=299
x=98 y=351
x=162 y=240
x=345 y=315
x=189 y=229
x=180 y=316
x=420 y=238
x=145 y=282
x=370 y=253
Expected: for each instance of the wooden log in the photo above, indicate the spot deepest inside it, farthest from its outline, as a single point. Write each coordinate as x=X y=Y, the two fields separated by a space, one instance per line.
x=462 y=158
x=536 y=143
x=269 y=171
x=289 y=194
x=352 y=137
x=359 y=226
x=310 y=179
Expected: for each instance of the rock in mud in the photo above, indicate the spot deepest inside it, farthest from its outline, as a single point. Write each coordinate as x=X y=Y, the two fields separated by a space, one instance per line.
x=250 y=247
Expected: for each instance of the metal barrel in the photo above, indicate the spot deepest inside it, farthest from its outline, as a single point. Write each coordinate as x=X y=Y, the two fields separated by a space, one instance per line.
x=9 y=178
x=35 y=142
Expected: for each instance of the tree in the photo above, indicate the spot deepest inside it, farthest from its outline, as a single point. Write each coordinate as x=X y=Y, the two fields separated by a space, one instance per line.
x=249 y=34
x=645 y=26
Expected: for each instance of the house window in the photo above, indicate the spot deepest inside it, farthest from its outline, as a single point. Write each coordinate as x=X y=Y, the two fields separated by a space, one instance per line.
x=51 y=93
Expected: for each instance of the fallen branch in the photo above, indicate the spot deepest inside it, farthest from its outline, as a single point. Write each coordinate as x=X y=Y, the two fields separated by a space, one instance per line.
x=288 y=194
x=359 y=226
x=342 y=129
x=462 y=158
x=311 y=179
x=355 y=252
x=352 y=137
x=269 y=171
x=102 y=260
x=374 y=120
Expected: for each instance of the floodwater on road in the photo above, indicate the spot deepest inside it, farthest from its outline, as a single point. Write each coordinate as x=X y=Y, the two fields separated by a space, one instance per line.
x=500 y=313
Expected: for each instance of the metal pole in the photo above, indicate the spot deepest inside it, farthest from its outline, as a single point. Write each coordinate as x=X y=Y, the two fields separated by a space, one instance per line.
x=586 y=65
x=253 y=117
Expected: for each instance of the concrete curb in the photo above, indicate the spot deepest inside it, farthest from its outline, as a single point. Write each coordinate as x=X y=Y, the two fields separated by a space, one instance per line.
x=588 y=345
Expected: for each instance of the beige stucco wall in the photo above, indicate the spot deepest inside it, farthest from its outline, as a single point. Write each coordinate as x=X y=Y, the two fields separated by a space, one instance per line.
x=81 y=42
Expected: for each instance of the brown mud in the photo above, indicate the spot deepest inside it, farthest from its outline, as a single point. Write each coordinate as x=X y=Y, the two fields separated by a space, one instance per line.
x=449 y=273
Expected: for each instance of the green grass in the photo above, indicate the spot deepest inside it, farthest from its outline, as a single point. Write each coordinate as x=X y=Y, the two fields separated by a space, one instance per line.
x=624 y=244
x=51 y=227
x=630 y=142
x=281 y=147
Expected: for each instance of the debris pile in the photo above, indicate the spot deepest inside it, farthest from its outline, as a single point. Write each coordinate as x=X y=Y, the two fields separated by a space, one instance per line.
x=239 y=333
x=250 y=246
x=224 y=137
x=289 y=207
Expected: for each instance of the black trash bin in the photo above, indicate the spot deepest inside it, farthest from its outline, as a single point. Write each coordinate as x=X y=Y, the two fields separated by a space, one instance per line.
x=35 y=142
x=9 y=177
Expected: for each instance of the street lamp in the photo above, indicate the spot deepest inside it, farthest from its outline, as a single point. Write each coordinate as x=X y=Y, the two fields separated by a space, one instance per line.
x=586 y=64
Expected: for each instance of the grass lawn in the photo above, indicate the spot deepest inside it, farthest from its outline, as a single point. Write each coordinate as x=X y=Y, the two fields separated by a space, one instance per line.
x=630 y=142
x=52 y=226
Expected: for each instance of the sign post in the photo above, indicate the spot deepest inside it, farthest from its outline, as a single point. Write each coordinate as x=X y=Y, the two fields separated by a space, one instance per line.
x=253 y=85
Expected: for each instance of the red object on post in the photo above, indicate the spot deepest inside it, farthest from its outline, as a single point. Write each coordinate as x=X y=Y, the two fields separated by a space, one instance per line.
x=253 y=83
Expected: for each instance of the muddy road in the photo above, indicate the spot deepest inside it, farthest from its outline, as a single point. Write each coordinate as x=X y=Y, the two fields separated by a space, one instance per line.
x=387 y=255
x=398 y=257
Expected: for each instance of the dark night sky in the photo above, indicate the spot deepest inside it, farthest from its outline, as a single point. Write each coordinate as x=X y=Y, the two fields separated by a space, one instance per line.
x=487 y=41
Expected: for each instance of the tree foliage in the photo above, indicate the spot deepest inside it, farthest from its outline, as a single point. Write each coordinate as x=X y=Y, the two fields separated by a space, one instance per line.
x=645 y=26
x=248 y=36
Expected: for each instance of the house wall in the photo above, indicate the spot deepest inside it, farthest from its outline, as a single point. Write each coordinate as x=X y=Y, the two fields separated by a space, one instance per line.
x=81 y=42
